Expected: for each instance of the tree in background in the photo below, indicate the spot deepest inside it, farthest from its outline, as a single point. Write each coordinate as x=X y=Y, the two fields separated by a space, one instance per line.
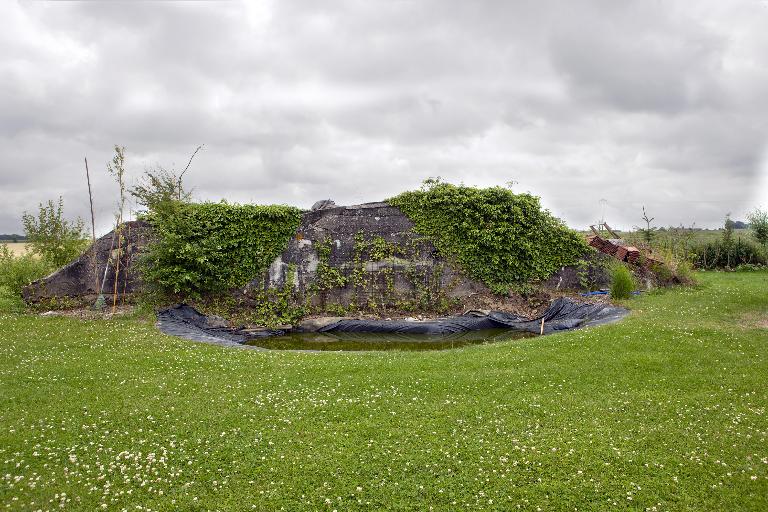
x=56 y=240
x=728 y=227
x=649 y=231
x=758 y=223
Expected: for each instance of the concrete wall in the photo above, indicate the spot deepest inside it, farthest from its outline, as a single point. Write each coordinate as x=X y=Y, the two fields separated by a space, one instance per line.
x=400 y=277
x=79 y=278
x=342 y=227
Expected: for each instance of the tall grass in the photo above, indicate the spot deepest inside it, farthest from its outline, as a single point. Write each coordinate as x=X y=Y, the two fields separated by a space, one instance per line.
x=16 y=272
x=622 y=282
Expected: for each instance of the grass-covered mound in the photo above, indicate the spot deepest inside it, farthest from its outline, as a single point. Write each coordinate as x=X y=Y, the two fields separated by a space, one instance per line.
x=200 y=248
x=665 y=410
x=495 y=235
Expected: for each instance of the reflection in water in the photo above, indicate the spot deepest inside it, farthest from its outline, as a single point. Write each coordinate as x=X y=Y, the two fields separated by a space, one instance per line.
x=385 y=341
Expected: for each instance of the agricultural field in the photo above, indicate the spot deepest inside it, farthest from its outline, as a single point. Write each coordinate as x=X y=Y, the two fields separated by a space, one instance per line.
x=694 y=236
x=16 y=248
x=665 y=410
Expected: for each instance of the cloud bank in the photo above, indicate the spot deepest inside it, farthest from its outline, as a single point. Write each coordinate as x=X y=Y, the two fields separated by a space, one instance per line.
x=651 y=103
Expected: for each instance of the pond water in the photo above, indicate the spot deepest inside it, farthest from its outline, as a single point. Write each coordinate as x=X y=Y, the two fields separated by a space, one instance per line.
x=357 y=341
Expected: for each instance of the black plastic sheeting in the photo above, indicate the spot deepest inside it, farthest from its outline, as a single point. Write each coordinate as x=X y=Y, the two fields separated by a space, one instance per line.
x=563 y=314
x=187 y=322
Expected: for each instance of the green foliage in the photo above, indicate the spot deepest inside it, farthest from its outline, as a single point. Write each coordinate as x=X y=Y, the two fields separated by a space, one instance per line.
x=663 y=273
x=16 y=272
x=371 y=277
x=56 y=240
x=328 y=276
x=758 y=224
x=648 y=232
x=211 y=247
x=271 y=307
x=720 y=255
x=159 y=187
x=728 y=227
x=748 y=267
x=622 y=282
x=495 y=235
x=684 y=272
x=582 y=272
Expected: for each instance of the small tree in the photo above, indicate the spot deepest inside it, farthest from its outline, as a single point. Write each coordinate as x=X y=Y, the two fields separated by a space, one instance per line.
x=649 y=231
x=758 y=224
x=56 y=240
x=117 y=169
x=159 y=187
x=728 y=226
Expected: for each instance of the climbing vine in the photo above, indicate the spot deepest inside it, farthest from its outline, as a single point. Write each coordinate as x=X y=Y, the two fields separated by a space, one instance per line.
x=495 y=235
x=371 y=274
x=328 y=276
x=211 y=247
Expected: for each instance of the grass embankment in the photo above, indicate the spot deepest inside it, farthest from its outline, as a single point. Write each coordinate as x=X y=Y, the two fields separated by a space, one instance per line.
x=665 y=410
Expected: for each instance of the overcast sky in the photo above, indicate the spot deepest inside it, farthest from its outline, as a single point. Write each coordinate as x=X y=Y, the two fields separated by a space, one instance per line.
x=656 y=103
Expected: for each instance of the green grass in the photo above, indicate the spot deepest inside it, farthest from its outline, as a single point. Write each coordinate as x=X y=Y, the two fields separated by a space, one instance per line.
x=663 y=411
x=9 y=302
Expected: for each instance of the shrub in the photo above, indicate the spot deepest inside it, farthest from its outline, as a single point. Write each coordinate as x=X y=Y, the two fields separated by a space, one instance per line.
x=748 y=267
x=758 y=223
x=211 y=247
x=622 y=282
x=496 y=236
x=684 y=273
x=718 y=254
x=16 y=272
x=56 y=240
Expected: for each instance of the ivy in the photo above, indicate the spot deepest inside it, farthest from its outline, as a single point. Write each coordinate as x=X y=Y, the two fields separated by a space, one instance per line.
x=499 y=237
x=201 y=248
x=328 y=276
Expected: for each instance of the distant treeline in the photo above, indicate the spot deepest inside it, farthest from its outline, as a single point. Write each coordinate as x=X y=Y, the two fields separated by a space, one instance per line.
x=13 y=238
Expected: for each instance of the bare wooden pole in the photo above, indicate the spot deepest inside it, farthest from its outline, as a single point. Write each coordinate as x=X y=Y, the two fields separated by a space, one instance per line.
x=185 y=170
x=93 y=226
x=119 y=230
x=127 y=259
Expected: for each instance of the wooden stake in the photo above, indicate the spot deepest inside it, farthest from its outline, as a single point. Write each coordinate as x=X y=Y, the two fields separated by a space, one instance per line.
x=93 y=226
x=117 y=264
x=542 y=326
x=127 y=255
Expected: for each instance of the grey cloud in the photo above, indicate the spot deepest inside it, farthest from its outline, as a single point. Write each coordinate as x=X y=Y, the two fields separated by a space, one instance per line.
x=639 y=102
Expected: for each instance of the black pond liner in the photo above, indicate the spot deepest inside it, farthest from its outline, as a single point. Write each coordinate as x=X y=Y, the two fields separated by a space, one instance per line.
x=563 y=314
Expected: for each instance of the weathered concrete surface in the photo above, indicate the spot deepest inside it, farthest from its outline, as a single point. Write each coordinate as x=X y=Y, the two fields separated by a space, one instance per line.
x=340 y=225
x=400 y=277
x=594 y=273
x=78 y=278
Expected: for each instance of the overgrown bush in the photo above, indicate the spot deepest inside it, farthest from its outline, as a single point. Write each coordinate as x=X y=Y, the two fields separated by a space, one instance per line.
x=684 y=273
x=622 y=282
x=747 y=267
x=721 y=254
x=16 y=272
x=56 y=240
x=496 y=236
x=211 y=247
x=758 y=225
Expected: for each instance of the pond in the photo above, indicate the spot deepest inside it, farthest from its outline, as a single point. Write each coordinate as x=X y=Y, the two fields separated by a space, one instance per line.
x=359 y=341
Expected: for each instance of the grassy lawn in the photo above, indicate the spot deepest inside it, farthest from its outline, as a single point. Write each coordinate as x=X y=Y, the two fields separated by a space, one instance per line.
x=664 y=411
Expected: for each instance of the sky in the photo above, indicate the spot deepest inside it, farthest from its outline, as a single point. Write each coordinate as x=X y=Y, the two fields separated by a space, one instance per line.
x=599 y=107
